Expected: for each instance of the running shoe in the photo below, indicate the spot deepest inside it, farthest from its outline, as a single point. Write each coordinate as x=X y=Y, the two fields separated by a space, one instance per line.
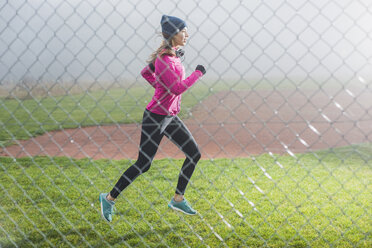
x=181 y=206
x=107 y=207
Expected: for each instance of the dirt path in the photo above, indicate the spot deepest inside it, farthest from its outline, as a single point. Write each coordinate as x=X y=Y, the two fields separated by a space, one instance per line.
x=230 y=124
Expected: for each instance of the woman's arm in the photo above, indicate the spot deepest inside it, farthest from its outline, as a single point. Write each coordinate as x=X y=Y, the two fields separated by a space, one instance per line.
x=171 y=78
x=149 y=74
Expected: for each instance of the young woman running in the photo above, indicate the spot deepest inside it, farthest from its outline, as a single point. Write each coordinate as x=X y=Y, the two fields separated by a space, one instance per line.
x=166 y=74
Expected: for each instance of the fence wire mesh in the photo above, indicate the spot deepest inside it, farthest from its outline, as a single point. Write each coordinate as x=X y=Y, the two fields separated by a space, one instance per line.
x=283 y=120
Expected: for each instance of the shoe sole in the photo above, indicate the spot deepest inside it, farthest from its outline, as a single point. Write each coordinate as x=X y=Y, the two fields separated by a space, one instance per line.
x=180 y=210
x=100 y=201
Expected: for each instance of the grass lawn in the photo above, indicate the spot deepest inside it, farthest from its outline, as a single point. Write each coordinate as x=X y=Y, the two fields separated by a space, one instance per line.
x=318 y=200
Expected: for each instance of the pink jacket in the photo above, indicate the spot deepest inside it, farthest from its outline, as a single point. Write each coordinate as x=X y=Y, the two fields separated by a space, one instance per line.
x=169 y=83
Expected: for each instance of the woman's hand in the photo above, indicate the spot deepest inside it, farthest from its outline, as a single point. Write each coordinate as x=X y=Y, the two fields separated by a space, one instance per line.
x=201 y=68
x=152 y=67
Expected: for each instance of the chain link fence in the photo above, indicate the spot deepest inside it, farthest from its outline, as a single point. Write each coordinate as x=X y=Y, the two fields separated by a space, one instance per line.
x=283 y=119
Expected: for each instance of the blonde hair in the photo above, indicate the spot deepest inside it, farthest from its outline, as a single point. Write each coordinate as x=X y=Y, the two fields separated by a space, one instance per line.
x=165 y=48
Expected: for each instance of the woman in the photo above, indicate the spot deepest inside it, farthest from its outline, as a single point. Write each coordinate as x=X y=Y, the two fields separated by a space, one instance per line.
x=166 y=74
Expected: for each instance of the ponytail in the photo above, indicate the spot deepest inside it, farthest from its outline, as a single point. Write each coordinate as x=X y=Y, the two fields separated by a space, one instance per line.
x=165 y=48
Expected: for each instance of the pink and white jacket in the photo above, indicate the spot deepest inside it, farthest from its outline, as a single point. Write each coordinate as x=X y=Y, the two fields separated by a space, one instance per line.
x=169 y=83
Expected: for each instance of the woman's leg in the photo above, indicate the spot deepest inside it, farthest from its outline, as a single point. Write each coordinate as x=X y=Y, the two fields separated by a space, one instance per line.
x=150 y=140
x=178 y=133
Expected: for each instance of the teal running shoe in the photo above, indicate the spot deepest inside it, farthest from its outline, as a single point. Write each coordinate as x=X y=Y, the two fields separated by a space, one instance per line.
x=107 y=207
x=181 y=206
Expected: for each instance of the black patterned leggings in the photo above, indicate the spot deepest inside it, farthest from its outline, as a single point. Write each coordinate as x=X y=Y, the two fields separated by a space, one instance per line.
x=154 y=127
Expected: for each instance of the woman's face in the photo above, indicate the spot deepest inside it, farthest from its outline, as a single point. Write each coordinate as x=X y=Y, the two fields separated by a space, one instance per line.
x=180 y=38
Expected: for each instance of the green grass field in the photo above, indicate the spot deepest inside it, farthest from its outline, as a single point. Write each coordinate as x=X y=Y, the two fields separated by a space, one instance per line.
x=321 y=199
x=318 y=200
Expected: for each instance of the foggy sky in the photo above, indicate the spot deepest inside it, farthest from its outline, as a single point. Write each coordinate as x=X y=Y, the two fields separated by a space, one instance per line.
x=105 y=40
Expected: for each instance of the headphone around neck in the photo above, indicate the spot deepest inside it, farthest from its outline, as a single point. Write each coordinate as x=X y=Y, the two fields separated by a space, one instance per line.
x=180 y=53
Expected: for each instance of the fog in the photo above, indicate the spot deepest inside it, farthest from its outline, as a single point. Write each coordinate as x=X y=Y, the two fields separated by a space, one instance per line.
x=107 y=40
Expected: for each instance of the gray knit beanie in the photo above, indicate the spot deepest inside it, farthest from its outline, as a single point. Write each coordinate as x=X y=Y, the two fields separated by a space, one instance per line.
x=171 y=25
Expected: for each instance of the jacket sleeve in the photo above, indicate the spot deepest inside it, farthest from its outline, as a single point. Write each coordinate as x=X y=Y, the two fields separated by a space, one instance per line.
x=171 y=80
x=149 y=75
